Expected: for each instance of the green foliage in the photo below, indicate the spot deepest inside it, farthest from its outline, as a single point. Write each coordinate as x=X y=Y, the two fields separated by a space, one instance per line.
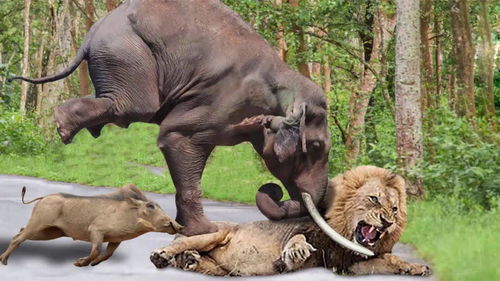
x=19 y=135
x=462 y=166
x=459 y=245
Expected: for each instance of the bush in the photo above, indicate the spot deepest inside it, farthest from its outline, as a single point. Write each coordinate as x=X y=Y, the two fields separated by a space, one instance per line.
x=19 y=135
x=461 y=164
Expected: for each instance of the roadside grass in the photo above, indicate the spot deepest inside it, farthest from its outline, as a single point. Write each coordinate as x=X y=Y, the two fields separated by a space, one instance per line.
x=117 y=158
x=459 y=245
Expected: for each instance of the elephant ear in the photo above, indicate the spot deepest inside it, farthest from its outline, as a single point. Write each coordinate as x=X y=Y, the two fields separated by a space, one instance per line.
x=285 y=144
x=291 y=133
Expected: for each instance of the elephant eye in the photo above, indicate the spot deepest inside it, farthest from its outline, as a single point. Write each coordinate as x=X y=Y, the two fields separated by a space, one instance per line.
x=316 y=145
x=374 y=199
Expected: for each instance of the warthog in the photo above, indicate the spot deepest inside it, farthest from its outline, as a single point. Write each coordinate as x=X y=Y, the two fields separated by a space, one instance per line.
x=113 y=218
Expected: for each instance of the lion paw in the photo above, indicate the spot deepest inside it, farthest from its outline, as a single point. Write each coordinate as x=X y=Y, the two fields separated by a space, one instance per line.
x=188 y=260
x=416 y=269
x=296 y=251
x=162 y=259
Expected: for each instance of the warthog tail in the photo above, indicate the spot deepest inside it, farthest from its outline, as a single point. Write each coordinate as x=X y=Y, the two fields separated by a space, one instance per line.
x=23 y=192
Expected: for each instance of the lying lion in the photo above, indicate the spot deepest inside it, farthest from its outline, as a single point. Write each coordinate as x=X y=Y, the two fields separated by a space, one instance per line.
x=366 y=204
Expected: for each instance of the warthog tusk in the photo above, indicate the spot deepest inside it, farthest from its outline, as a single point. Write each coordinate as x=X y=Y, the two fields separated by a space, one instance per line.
x=318 y=219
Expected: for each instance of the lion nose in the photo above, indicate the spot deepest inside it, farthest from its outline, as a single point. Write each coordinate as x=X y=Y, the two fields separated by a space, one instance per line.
x=385 y=222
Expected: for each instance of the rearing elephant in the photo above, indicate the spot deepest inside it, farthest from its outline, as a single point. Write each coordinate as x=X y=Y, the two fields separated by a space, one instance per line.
x=199 y=71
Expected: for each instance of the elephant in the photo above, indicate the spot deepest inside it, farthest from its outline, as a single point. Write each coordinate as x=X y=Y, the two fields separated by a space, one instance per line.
x=195 y=68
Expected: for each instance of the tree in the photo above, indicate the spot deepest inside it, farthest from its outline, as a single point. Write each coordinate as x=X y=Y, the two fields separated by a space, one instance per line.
x=299 y=31
x=60 y=39
x=374 y=46
x=464 y=56
x=408 y=98
x=110 y=5
x=486 y=57
x=26 y=54
x=428 y=89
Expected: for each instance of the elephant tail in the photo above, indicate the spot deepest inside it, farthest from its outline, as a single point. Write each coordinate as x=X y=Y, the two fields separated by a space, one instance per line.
x=80 y=56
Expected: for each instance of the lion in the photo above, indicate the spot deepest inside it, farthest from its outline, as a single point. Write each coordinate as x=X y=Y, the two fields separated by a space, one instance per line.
x=366 y=205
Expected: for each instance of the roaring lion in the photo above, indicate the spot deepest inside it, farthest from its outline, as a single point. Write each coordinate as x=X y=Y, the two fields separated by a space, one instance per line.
x=366 y=205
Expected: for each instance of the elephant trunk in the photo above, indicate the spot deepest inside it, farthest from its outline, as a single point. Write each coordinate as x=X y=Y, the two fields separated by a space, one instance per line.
x=268 y=201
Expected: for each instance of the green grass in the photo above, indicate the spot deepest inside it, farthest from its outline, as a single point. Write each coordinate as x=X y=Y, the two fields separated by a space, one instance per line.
x=460 y=246
x=115 y=159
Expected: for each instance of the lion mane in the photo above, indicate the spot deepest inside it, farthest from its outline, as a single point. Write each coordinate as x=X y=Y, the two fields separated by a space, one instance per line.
x=341 y=202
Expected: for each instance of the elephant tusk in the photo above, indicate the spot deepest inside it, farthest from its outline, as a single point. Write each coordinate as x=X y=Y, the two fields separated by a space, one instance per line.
x=318 y=219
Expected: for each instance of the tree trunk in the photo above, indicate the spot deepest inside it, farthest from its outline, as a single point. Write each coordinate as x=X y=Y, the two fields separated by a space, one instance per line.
x=358 y=103
x=302 y=62
x=486 y=57
x=282 y=48
x=39 y=73
x=438 y=58
x=110 y=5
x=408 y=99
x=464 y=50
x=428 y=90
x=83 y=70
x=26 y=55
x=55 y=91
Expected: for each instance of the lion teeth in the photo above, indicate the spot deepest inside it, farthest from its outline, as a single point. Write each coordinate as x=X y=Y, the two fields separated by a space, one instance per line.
x=371 y=229
x=382 y=235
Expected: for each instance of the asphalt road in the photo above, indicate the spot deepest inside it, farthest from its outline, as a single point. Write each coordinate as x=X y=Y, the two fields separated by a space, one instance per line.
x=53 y=260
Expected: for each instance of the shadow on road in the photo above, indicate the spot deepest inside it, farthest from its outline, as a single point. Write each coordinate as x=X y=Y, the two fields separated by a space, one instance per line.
x=54 y=253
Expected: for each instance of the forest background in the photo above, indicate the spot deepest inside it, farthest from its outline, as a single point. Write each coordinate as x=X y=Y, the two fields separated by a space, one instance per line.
x=347 y=47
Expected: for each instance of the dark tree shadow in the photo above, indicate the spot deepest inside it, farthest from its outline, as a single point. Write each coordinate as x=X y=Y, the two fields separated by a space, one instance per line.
x=53 y=252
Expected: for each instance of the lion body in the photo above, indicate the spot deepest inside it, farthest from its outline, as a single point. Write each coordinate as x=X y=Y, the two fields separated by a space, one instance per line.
x=271 y=247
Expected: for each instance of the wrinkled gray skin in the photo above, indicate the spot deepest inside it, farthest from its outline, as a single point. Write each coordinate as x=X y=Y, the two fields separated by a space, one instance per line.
x=199 y=71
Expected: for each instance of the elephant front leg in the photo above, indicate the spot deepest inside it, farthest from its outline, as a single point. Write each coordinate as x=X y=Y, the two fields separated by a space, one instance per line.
x=186 y=161
x=389 y=264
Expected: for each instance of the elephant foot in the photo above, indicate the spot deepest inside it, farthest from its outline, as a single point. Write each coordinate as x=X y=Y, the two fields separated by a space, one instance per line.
x=196 y=226
x=63 y=126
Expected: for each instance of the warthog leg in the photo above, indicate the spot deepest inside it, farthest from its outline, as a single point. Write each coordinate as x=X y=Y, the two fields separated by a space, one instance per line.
x=389 y=264
x=109 y=252
x=96 y=239
x=296 y=251
x=30 y=233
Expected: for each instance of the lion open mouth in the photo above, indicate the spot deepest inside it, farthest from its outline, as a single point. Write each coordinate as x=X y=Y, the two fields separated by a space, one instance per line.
x=367 y=235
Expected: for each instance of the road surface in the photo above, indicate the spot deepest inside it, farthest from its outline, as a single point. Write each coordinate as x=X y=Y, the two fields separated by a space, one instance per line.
x=53 y=260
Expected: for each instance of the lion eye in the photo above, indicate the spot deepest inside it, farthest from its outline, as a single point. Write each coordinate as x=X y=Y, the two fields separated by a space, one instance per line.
x=150 y=206
x=374 y=199
x=394 y=209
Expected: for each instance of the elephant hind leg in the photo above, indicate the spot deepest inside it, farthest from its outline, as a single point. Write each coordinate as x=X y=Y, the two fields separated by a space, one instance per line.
x=79 y=113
